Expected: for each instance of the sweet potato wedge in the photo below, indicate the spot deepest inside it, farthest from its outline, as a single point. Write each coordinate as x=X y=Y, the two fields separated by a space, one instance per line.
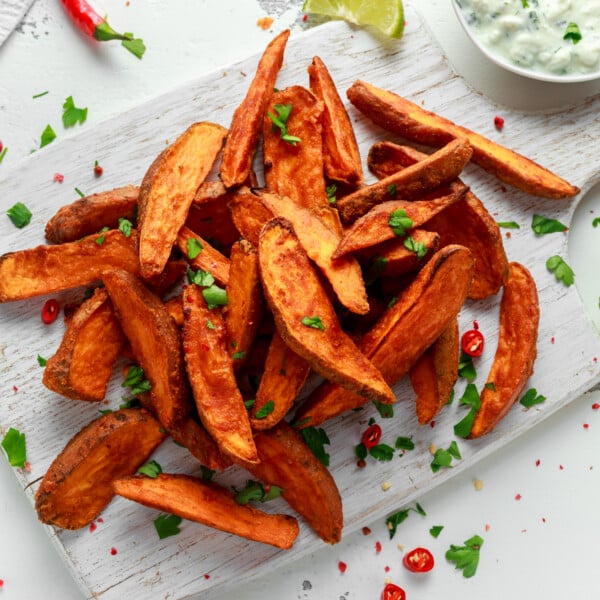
x=434 y=374
x=305 y=317
x=478 y=231
x=156 y=344
x=168 y=189
x=83 y=364
x=376 y=227
x=209 y=259
x=516 y=350
x=246 y=124
x=282 y=379
x=318 y=241
x=79 y=483
x=245 y=302
x=341 y=157
x=42 y=270
x=210 y=504
x=411 y=183
x=308 y=487
x=393 y=344
x=402 y=117
x=210 y=372
x=90 y=214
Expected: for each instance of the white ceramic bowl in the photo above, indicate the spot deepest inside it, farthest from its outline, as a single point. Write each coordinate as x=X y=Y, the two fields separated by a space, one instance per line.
x=510 y=66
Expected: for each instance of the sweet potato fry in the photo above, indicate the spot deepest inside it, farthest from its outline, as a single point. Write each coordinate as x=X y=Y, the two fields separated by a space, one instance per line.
x=341 y=157
x=79 y=483
x=318 y=241
x=516 y=350
x=245 y=303
x=411 y=183
x=155 y=342
x=308 y=487
x=284 y=375
x=41 y=270
x=434 y=374
x=478 y=231
x=84 y=361
x=245 y=128
x=212 y=505
x=89 y=215
x=210 y=372
x=209 y=259
x=305 y=317
x=402 y=117
x=432 y=300
x=168 y=189
x=376 y=226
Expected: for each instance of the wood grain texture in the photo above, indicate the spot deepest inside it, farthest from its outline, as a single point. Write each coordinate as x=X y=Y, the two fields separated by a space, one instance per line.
x=175 y=567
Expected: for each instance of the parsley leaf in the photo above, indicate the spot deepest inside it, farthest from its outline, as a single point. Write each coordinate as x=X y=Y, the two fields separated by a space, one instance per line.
x=436 y=530
x=257 y=492
x=316 y=439
x=19 y=214
x=151 y=469
x=331 y=191
x=470 y=398
x=41 y=361
x=443 y=458
x=15 y=447
x=72 y=114
x=194 y=247
x=200 y=277
x=314 y=322
x=555 y=264
x=466 y=368
x=531 y=398
x=418 y=248
x=400 y=516
x=542 y=225
x=596 y=222
x=265 y=410
x=215 y=296
x=125 y=226
x=404 y=443
x=572 y=33
x=466 y=558
x=382 y=452
x=47 y=137
x=279 y=121
x=399 y=222
x=508 y=224
x=167 y=525
x=135 y=46
x=386 y=411
x=135 y=381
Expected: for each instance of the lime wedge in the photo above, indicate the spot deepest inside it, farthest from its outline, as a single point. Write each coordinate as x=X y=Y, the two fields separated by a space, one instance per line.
x=385 y=15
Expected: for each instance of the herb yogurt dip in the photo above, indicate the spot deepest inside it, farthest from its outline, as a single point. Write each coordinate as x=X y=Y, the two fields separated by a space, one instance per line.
x=558 y=37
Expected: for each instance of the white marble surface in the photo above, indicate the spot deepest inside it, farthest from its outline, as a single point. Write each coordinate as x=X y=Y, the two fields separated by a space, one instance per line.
x=537 y=509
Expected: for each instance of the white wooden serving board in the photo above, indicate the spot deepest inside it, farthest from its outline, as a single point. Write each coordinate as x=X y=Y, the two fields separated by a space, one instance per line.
x=200 y=562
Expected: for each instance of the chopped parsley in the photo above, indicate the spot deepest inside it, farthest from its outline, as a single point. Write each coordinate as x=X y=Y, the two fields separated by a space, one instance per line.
x=72 y=114
x=392 y=190
x=555 y=264
x=435 y=530
x=404 y=443
x=47 y=137
x=443 y=458
x=135 y=45
x=41 y=361
x=316 y=440
x=212 y=293
x=466 y=558
x=386 y=411
x=531 y=398
x=151 y=469
x=125 y=226
x=194 y=247
x=572 y=33
x=167 y=525
x=135 y=381
x=19 y=214
x=399 y=222
x=279 y=122
x=3 y=153
x=418 y=248
x=470 y=398
x=542 y=225
x=466 y=368
x=265 y=410
x=255 y=491
x=400 y=516
x=15 y=447
x=39 y=95
x=508 y=224
x=331 y=191
x=314 y=322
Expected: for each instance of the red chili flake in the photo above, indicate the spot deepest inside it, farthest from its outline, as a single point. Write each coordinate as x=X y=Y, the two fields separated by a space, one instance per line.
x=475 y=324
x=113 y=551
x=503 y=188
x=342 y=566
x=595 y=406
x=586 y=425
x=98 y=170
x=487 y=527
x=304 y=18
x=552 y=340
x=538 y=462
x=206 y=576
x=93 y=527
x=27 y=466
x=366 y=531
x=508 y=234
x=561 y=468
x=50 y=311
x=1 y=146
x=15 y=389
x=205 y=347
x=1 y=580
x=595 y=359
x=498 y=122
x=543 y=519
x=100 y=520
x=432 y=424
x=387 y=569
x=378 y=547
x=361 y=463
x=518 y=496
x=58 y=177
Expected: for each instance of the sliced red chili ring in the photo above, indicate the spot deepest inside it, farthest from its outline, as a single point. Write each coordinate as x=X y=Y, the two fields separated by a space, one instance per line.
x=393 y=592
x=371 y=436
x=472 y=342
x=419 y=560
x=50 y=311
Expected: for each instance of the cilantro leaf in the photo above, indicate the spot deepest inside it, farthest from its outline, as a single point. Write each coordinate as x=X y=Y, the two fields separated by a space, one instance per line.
x=200 y=277
x=72 y=114
x=542 y=225
x=466 y=558
x=41 y=361
x=400 y=516
x=194 y=247
x=555 y=264
x=19 y=214
x=443 y=458
x=531 y=398
x=167 y=525
x=573 y=33
x=48 y=136
x=404 y=443
x=125 y=226
x=418 y=248
x=151 y=469
x=15 y=447
x=470 y=398
x=399 y=222
x=135 y=381
x=382 y=452
x=265 y=410
x=435 y=530
x=314 y=322
x=316 y=439
x=466 y=368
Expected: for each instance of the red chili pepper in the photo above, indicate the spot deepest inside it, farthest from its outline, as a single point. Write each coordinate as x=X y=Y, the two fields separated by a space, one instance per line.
x=371 y=436
x=472 y=342
x=50 y=311
x=392 y=592
x=419 y=560
x=499 y=123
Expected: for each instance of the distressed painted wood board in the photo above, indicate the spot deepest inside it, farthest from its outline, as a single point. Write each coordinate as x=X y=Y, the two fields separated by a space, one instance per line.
x=126 y=145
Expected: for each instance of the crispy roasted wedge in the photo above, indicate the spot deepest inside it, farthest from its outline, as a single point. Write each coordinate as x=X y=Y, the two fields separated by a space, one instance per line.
x=439 y=168
x=433 y=300
x=467 y=223
x=308 y=487
x=42 y=270
x=79 y=483
x=318 y=241
x=210 y=372
x=341 y=157
x=282 y=379
x=246 y=124
x=210 y=504
x=516 y=350
x=245 y=302
x=168 y=189
x=84 y=361
x=434 y=374
x=90 y=214
x=305 y=317
x=155 y=341
x=402 y=117
x=208 y=259
x=378 y=225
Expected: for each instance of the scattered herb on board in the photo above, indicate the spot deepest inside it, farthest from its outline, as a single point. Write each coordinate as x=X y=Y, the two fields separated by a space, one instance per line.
x=562 y=271
x=531 y=398
x=542 y=225
x=395 y=519
x=151 y=469
x=444 y=458
x=167 y=525
x=47 y=137
x=508 y=224
x=19 y=214
x=257 y=492
x=316 y=439
x=469 y=398
x=279 y=122
x=314 y=322
x=15 y=447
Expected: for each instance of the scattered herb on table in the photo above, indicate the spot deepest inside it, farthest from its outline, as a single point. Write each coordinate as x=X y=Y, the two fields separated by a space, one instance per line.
x=562 y=271
x=400 y=516
x=466 y=558
x=72 y=114
x=47 y=137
